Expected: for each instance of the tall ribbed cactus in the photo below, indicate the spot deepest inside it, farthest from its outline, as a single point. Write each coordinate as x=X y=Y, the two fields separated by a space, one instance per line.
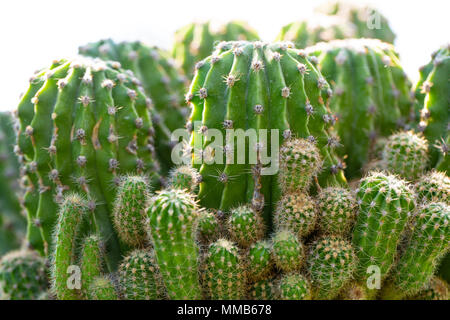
x=367 y=22
x=195 y=41
x=255 y=85
x=12 y=222
x=160 y=80
x=428 y=242
x=433 y=95
x=371 y=93
x=82 y=124
x=173 y=217
x=384 y=202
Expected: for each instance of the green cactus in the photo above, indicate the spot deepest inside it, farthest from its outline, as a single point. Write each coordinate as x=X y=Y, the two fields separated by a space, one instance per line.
x=294 y=287
x=195 y=41
x=443 y=163
x=316 y=28
x=22 y=276
x=224 y=275
x=406 y=154
x=102 y=288
x=130 y=210
x=184 y=177
x=91 y=262
x=140 y=277
x=70 y=217
x=259 y=261
x=437 y=289
x=208 y=227
x=297 y=213
x=245 y=226
x=281 y=90
x=262 y=290
x=371 y=94
x=384 y=204
x=353 y=291
x=367 y=21
x=173 y=217
x=432 y=92
x=433 y=186
x=82 y=124
x=12 y=222
x=331 y=263
x=287 y=251
x=337 y=212
x=428 y=241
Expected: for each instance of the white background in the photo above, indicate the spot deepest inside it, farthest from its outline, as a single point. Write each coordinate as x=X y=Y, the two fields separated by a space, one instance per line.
x=33 y=33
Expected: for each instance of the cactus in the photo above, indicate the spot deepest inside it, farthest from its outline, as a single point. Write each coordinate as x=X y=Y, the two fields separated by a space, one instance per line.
x=91 y=262
x=259 y=261
x=437 y=289
x=70 y=216
x=208 y=227
x=130 y=210
x=371 y=94
x=262 y=290
x=331 y=263
x=195 y=41
x=245 y=226
x=337 y=212
x=443 y=163
x=432 y=93
x=22 y=276
x=224 y=274
x=353 y=291
x=102 y=288
x=281 y=90
x=297 y=213
x=12 y=222
x=160 y=80
x=433 y=186
x=316 y=28
x=140 y=277
x=184 y=177
x=73 y=136
x=406 y=154
x=428 y=242
x=294 y=287
x=173 y=217
x=384 y=204
x=367 y=22
x=287 y=251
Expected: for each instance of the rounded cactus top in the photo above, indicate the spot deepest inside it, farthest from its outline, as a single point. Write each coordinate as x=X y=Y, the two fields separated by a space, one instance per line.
x=433 y=186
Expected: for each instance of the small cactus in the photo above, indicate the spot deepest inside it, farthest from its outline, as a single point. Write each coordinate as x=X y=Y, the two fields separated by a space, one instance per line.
x=406 y=154
x=294 y=287
x=245 y=226
x=185 y=178
x=287 y=251
x=102 y=288
x=433 y=186
x=208 y=227
x=259 y=261
x=337 y=212
x=296 y=212
x=331 y=263
x=262 y=290
x=224 y=274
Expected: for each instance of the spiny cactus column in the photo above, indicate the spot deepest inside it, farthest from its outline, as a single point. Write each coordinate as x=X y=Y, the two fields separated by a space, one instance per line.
x=331 y=264
x=139 y=276
x=316 y=28
x=367 y=22
x=102 y=288
x=245 y=226
x=195 y=41
x=287 y=251
x=173 y=217
x=224 y=276
x=406 y=154
x=184 y=177
x=22 y=276
x=371 y=93
x=83 y=123
x=433 y=96
x=428 y=242
x=255 y=85
x=384 y=203
x=294 y=287
x=259 y=261
x=91 y=262
x=337 y=214
x=161 y=81
x=130 y=210
x=433 y=186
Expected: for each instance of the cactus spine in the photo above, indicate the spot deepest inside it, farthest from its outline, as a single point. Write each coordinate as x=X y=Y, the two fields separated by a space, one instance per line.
x=433 y=186
x=287 y=251
x=173 y=217
x=371 y=93
x=294 y=287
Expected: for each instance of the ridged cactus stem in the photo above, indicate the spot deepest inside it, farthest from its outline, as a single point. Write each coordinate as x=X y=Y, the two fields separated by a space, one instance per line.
x=91 y=262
